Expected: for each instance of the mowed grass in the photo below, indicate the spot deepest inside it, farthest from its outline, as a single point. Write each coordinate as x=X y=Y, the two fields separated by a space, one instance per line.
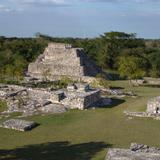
x=3 y=106
x=78 y=135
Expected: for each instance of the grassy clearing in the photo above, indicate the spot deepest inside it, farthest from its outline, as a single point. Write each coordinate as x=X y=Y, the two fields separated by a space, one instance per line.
x=3 y=106
x=78 y=135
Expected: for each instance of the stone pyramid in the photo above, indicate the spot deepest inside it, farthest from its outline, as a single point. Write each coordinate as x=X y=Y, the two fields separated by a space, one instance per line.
x=61 y=59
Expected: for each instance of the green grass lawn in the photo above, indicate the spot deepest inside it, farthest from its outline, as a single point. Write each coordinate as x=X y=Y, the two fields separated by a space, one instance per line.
x=3 y=106
x=78 y=135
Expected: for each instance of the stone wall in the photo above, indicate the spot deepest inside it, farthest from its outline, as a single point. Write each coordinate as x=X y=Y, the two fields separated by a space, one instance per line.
x=80 y=100
x=31 y=101
x=153 y=106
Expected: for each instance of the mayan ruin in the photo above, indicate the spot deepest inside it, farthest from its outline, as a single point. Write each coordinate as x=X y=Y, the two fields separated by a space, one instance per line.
x=31 y=101
x=152 y=110
x=60 y=60
x=79 y=79
x=136 y=152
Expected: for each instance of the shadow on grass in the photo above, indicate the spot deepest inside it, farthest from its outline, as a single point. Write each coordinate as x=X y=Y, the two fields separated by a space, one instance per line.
x=152 y=85
x=115 y=102
x=116 y=87
x=55 y=151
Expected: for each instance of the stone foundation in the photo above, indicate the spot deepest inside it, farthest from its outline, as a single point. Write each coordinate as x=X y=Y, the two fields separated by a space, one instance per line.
x=136 y=152
x=29 y=101
x=81 y=100
x=153 y=110
x=77 y=96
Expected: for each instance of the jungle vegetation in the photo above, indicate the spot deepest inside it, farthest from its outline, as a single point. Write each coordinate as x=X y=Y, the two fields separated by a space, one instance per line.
x=122 y=52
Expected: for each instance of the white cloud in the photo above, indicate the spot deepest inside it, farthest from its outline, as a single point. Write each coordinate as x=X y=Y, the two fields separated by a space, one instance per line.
x=42 y=2
x=19 y=5
x=122 y=1
x=4 y=8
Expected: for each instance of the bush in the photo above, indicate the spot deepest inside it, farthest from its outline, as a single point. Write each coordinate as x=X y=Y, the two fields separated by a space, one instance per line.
x=99 y=83
x=64 y=81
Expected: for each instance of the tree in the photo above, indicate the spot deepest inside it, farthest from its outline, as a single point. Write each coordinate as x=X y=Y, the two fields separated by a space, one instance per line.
x=115 y=42
x=9 y=71
x=155 y=62
x=19 y=67
x=131 y=67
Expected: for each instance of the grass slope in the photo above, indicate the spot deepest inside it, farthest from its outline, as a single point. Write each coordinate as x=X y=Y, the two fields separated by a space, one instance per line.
x=88 y=134
x=3 y=106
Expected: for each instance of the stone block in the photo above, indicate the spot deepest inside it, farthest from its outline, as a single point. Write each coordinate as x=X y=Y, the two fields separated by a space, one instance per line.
x=53 y=109
x=17 y=124
x=71 y=87
x=57 y=96
x=82 y=87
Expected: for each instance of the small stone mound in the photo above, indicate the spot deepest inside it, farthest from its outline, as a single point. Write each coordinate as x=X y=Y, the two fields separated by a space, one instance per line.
x=19 y=125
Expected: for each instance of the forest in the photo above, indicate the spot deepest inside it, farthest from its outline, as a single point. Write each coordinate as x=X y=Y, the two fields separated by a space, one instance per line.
x=119 y=52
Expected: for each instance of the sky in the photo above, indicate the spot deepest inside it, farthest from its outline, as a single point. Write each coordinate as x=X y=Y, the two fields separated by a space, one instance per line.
x=79 y=18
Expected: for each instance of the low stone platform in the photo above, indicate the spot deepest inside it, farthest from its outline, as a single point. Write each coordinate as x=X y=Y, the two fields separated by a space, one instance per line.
x=136 y=152
x=53 y=108
x=153 y=106
x=142 y=115
x=19 y=125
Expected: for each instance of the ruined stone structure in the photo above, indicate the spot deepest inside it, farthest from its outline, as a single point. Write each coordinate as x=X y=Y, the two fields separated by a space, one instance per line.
x=76 y=96
x=31 y=101
x=62 y=60
x=28 y=101
x=153 y=106
x=136 y=152
x=153 y=110
x=19 y=125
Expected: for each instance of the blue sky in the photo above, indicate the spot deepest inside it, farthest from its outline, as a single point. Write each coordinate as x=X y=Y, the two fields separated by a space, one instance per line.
x=79 y=18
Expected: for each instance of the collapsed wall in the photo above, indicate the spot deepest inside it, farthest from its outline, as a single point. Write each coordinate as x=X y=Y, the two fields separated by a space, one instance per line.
x=61 y=59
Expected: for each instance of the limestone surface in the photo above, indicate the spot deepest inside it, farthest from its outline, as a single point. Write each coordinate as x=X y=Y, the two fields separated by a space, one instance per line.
x=136 y=152
x=62 y=60
x=153 y=106
x=77 y=96
x=17 y=124
x=33 y=101
x=53 y=108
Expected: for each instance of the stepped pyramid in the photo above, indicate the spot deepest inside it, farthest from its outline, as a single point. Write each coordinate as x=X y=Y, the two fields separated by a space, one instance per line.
x=61 y=59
